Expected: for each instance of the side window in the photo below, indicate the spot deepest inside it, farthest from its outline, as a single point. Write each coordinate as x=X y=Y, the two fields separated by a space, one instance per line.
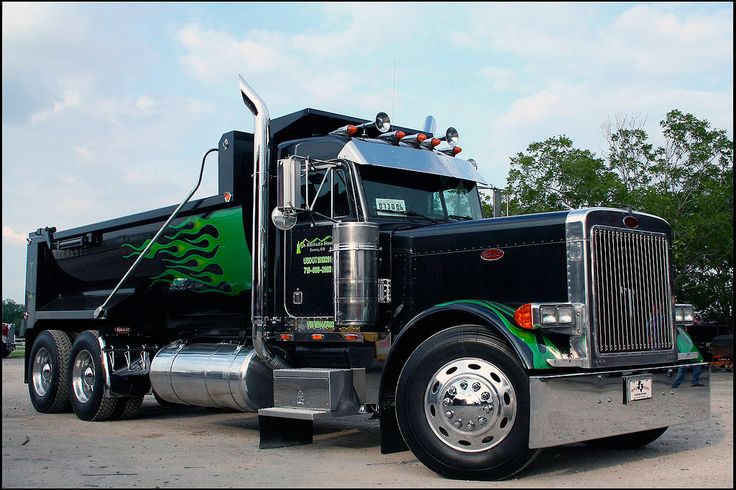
x=332 y=199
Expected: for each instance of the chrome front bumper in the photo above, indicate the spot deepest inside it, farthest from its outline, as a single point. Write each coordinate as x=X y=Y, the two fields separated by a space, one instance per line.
x=579 y=407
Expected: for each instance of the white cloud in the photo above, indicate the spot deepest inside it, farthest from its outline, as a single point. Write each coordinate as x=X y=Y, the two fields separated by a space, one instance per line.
x=498 y=78
x=67 y=101
x=13 y=236
x=205 y=48
x=655 y=42
x=21 y=18
x=579 y=110
x=83 y=151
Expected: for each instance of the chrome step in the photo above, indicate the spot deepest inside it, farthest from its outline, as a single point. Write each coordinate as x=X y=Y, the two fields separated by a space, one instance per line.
x=302 y=396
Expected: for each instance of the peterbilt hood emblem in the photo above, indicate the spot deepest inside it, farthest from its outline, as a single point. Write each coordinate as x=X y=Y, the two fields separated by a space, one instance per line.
x=492 y=254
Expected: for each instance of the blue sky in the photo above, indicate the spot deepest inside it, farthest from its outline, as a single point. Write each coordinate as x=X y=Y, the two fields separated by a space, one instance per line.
x=108 y=108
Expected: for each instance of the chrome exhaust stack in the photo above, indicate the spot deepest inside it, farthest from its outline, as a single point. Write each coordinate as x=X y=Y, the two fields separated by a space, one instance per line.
x=261 y=163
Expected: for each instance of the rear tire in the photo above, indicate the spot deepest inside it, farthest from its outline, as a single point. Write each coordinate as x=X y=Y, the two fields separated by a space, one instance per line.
x=87 y=383
x=634 y=440
x=127 y=408
x=48 y=384
x=462 y=405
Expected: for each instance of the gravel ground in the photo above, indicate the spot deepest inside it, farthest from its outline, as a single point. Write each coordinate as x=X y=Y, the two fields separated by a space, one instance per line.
x=191 y=447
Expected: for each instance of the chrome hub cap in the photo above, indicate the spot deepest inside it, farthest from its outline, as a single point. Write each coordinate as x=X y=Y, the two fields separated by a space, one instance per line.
x=83 y=376
x=41 y=371
x=470 y=404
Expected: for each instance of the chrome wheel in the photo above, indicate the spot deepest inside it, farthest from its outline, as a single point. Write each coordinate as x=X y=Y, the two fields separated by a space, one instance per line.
x=83 y=376
x=470 y=404
x=42 y=370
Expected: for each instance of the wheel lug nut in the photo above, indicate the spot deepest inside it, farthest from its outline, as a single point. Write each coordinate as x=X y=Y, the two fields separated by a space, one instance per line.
x=449 y=414
x=485 y=395
x=452 y=391
x=476 y=386
x=458 y=423
x=463 y=384
x=487 y=408
x=470 y=425
x=482 y=420
x=446 y=401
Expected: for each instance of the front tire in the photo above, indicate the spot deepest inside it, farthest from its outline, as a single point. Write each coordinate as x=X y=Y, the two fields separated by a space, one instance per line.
x=87 y=384
x=462 y=405
x=48 y=385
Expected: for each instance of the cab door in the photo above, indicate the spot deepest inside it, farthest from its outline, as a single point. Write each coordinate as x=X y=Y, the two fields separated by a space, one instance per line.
x=308 y=276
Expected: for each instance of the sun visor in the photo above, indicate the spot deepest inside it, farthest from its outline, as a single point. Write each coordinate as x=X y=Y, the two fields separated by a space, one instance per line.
x=381 y=154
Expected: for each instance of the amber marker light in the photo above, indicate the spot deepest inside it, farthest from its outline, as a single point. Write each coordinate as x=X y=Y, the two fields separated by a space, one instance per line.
x=352 y=130
x=523 y=316
x=317 y=336
x=399 y=134
x=456 y=150
x=421 y=137
x=351 y=337
x=435 y=142
x=285 y=336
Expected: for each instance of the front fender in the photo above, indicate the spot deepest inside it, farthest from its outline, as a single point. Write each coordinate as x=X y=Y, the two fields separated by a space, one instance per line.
x=533 y=347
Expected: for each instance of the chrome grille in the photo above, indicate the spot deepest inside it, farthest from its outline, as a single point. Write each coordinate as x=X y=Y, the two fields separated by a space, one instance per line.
x=632 y=309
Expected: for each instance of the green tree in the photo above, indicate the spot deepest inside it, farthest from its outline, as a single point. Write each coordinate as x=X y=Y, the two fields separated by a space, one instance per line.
x=688 y=181
x=13 y=313
x=554 y=175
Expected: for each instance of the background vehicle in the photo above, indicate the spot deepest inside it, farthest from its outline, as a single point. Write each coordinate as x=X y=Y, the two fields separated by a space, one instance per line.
x=703 y=333
x=721 y=349
x=8 y=339
x=344 y=267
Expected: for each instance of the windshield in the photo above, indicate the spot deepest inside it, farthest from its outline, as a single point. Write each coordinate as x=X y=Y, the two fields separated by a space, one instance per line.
x=391 y=192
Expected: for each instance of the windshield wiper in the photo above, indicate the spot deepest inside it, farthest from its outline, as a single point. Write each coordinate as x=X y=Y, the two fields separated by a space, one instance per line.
x=459 y=218
x=411 y=212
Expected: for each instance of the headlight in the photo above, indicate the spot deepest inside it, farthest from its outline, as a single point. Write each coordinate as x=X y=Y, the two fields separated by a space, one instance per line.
x=684 y=314
x=546 y=315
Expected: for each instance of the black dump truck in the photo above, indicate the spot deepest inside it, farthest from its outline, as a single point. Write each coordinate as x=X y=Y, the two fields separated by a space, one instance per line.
x=344 y=267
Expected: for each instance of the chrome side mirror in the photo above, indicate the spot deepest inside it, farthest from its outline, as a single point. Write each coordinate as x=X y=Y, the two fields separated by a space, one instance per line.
x=288 y=175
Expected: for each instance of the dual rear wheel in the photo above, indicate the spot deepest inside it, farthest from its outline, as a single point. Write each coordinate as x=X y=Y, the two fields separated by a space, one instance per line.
x=65 y=375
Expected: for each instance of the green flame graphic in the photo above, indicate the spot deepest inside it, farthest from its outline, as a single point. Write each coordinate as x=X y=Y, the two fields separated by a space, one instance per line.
x=203 y=255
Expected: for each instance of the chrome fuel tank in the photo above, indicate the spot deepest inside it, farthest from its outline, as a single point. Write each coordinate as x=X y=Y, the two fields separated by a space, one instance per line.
x=212 y=375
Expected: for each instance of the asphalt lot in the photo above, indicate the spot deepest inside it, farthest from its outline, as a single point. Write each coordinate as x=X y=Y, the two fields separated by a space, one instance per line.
x=192 y=447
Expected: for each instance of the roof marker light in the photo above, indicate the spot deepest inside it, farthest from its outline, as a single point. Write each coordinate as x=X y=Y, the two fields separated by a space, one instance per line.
x=452 y=151
x=394 y=136
x=431 y=142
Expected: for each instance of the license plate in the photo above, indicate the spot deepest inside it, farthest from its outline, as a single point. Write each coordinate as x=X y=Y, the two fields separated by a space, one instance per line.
x=637 y=388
